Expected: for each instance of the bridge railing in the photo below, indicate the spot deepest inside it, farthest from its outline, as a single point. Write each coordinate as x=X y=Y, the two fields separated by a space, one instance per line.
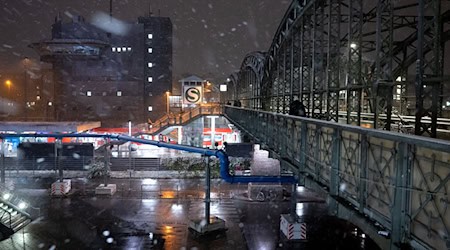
x=401 y=182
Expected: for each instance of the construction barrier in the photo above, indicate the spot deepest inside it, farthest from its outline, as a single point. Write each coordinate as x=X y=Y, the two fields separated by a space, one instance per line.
x=61 y=188
x=292 y=229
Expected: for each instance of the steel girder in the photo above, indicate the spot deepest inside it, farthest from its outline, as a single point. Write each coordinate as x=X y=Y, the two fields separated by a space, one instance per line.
x=232 y=82
x=333 y=59
x=354 y=81
x=384 y=83
x=428 y=93
x=318 y=81
x=307 y=62
x=249 y=79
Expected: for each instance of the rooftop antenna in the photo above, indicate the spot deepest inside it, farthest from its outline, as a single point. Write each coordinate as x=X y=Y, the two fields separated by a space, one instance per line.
x=110 y=10
x=159 y=9
x=149 y=8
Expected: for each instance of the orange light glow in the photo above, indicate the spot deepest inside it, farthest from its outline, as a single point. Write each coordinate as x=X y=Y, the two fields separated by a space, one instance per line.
x=167 y=194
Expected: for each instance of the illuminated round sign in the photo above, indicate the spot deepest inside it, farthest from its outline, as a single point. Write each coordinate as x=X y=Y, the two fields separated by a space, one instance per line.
x=193 y=95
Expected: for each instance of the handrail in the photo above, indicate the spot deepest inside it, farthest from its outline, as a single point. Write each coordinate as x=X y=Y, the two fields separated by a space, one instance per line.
x=179 y=119
x=9 y=213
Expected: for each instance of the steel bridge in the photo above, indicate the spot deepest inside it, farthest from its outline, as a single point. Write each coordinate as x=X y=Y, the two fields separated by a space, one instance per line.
x=399 y=182
x=356 y=63
x=344 y=58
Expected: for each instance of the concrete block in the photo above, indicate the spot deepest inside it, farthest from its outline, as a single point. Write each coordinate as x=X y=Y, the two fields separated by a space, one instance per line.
x=109 y=189
x=265 y=192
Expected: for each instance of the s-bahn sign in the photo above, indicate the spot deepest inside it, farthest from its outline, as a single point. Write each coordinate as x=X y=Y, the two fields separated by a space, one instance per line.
x=192 y=94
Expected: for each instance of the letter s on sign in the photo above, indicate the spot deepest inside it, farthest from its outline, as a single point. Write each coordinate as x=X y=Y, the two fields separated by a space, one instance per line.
x=193 y=95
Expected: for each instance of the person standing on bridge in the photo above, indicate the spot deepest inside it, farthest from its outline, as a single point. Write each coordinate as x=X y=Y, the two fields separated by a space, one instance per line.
x=297 y=108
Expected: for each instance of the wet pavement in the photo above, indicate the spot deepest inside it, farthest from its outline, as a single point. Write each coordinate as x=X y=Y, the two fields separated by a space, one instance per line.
x=154 y=214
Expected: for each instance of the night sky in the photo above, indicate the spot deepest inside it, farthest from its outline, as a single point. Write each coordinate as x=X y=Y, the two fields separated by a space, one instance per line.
x=211 y=38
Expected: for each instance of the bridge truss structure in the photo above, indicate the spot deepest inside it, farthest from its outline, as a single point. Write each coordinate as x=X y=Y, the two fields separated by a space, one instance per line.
x=358 y=62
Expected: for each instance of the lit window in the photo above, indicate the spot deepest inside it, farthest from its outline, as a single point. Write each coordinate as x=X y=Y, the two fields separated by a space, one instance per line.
x=124 y=49
x=113 y=49
x=150 y=79
x=119 y=49
x=129 y=48
x=150 y=108
x=150 y=50
x=150 y=36
x=119 y=93
x=150 y=65
x=89 y=93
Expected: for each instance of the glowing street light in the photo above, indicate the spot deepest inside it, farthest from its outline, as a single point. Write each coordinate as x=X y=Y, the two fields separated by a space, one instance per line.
x=22 y=205
x=6 y=196
x=8 y=84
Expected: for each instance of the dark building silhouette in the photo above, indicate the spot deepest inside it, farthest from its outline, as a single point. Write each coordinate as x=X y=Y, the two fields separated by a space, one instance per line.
x=113 y=74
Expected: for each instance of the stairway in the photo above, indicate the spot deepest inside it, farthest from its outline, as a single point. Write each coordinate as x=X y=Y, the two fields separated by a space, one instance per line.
x=11 y=219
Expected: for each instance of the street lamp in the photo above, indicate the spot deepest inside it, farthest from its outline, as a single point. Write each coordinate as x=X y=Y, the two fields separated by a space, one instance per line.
x=222 y=88
x=167 y=102
x=26 y=61
x=8 y=83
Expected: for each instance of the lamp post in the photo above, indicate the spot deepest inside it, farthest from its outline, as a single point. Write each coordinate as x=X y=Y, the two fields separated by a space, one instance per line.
x=130 y=169
x=25 y=87
x=8 y=83
x=129 y=127
x=47 y=107
x=167 y=103
x=222 y=88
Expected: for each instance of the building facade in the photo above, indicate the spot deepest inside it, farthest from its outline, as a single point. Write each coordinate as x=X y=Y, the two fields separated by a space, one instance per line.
x=109 y=76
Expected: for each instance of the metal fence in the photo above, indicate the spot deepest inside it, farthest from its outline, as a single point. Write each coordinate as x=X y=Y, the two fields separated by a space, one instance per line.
x=79 y=163
x=400 y=181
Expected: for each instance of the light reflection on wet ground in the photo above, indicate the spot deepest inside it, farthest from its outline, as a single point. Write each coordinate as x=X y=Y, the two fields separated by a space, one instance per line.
x=163 y=211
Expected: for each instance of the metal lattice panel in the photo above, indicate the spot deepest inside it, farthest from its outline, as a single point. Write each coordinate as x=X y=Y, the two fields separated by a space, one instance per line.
x=312 y=150
x=350 y=165
x=325 y=155
x=380 y=176
x=430 y=215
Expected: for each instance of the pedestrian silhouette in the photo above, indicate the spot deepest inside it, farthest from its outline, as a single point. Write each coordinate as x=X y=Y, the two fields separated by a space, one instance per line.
x=297 y=108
